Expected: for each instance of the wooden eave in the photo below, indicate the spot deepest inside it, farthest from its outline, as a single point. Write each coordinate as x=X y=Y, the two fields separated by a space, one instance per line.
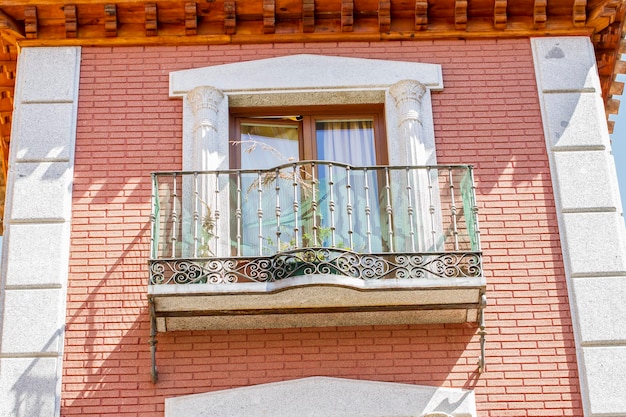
x=177 y=22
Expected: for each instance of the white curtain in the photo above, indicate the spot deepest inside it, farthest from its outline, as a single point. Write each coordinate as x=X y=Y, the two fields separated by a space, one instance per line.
x=350 y=142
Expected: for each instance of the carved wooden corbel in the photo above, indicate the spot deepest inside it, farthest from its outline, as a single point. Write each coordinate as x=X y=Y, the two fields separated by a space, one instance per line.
x=191 y=18
x=460 y=14
x=269 y=16
x=579 y=13
x=539 y=14
x=30 y=22
x=110 y=20
x=347 y=15
x=384 y=15
x=71 y=25
x=151 y=19
x=421 y=14
x=308 y=16
x=499 y=14
x=230 y=17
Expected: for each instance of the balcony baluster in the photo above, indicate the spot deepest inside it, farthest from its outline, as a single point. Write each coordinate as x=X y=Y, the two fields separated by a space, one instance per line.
x=329 y=218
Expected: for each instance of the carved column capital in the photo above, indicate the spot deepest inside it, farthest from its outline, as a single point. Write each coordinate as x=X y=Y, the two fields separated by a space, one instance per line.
x=205 y=101
x=407 y=88
x=408 y=97
x=205 y=96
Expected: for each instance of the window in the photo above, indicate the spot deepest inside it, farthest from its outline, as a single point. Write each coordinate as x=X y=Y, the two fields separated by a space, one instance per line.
x=264 y=138
x=321 y=87
x=305 y=203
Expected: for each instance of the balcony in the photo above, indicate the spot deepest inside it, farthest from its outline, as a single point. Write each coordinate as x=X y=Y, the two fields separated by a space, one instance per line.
x=314 y=244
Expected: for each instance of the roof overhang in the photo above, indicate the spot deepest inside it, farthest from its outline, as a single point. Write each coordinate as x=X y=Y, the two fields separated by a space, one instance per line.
x=180 y=22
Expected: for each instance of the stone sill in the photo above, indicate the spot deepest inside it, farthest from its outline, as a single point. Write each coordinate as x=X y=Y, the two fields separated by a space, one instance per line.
x=316 y=301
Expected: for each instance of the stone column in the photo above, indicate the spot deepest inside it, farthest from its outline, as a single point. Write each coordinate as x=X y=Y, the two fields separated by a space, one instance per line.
x=407 y=95
x=209 y=152
x=414 y=147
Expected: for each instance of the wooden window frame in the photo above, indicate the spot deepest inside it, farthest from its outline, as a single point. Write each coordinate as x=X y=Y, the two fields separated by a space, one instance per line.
x=306 y=126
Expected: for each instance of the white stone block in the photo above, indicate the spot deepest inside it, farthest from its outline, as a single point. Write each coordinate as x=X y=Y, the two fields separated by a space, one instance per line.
x=575 y=120
x=601 y=308
x=38 y=254
x=565 y=63
x=606 y=373
x=305 y=73
x=586 y=180
x=31 y=322
x=595 y=243
x=44 y=131
x=48 y=75
x=41 y=190
x=325 y=397
x=29 y=387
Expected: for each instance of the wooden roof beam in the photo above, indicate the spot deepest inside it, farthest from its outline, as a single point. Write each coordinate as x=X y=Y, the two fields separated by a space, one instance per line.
x=620 y=67
x=230 y=17
x=308 y=16
x=7 y=23
x=622 y=46
x=499 y=14
x=7 y=69
x=5 y=118
x=616 y=89
x=181 y=15
x=612 y=106
x=611 y=126
x=30 y=22
x=608 y=38
x=6 y=92
x=460 y=14
x=540 y=14
x=110 y=20
x=151 y=22
x=579 y=13
x=191 y=18
x=603 y=14
x=6 y=105
x=347 y=15
x=384 y=15
x=421 y=15
x=269 y=16
x=71 y=24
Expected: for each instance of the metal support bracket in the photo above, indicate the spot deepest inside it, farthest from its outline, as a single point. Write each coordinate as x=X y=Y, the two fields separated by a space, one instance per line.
x=482 y=332
x=153 y=341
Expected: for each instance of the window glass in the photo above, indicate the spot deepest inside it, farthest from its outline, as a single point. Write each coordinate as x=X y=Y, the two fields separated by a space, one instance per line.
x=311 y=205
x=266 y=145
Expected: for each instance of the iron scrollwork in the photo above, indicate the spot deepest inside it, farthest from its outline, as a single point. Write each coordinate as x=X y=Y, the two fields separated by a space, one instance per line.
x=312 y=261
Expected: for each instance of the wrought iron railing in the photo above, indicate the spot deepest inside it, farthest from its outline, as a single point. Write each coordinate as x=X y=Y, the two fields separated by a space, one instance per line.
x=314 y=217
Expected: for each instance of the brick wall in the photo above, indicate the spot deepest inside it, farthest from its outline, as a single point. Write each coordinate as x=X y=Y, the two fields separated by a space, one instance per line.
x=488 y=115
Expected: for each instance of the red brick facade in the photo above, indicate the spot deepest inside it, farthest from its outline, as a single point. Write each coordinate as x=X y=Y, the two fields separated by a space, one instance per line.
x=487 y=115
